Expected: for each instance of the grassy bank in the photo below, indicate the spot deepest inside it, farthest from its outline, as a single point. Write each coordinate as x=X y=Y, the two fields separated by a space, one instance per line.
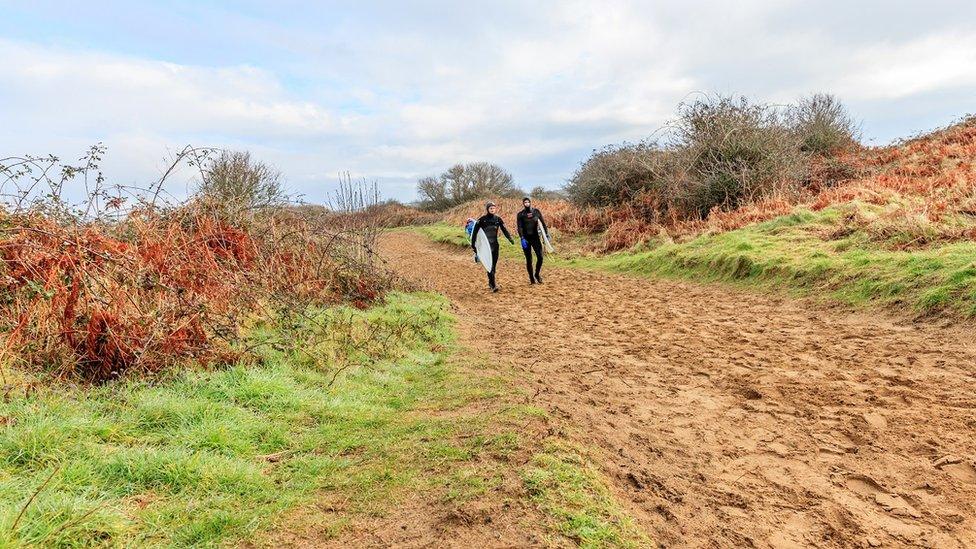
x=209 y=457
x=213 y=455
x=810 y=253
x=573 y=494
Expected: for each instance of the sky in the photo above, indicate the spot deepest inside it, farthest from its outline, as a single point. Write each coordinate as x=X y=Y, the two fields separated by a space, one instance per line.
x=394 y=91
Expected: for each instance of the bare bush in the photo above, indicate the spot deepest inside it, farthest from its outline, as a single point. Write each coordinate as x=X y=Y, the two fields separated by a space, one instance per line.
x=233 y=180
x=822 y=125
x=541 y=193
x=616 y=174
x=464 y=182
x=732 y=152
x=722 y=152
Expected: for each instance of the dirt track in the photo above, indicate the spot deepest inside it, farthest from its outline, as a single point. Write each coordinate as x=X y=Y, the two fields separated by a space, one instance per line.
x=730 y=419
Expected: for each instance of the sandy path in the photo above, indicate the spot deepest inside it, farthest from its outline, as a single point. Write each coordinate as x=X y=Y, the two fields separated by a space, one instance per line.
x=732 y=419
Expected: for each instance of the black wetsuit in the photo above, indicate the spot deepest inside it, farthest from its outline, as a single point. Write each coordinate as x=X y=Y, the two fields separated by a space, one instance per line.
x=527 y=222
x=490 y=223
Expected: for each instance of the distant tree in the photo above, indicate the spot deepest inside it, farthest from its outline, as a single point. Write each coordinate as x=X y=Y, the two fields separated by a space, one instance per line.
x=433 y=194
x=234 y=180
x=541 y=193
x=464 y=182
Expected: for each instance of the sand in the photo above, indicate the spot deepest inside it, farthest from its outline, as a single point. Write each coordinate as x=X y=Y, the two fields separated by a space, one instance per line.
x=734 y=419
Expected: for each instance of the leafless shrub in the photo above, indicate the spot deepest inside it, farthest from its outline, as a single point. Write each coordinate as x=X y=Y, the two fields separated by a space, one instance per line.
x=822 y=125
x=731 y=152
x=232 y=180
x=720 y=153
x=615 y=174
x=464 y=182
x=542 y=193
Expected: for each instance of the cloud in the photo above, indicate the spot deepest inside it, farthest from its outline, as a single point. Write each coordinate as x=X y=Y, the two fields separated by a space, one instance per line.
x=397 y=91
x=86 y=91
x=892 y=71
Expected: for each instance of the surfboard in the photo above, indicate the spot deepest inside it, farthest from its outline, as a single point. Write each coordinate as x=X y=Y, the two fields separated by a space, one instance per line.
x=483 y=249
x=545 y=238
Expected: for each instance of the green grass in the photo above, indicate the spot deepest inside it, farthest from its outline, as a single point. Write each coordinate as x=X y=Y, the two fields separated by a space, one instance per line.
x=796 y=253
x=208 y=458
x=180 y=463
x=572 y=492
x=793 y=253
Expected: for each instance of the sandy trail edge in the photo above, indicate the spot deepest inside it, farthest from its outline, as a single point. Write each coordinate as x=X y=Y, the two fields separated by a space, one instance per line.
x=733 y=419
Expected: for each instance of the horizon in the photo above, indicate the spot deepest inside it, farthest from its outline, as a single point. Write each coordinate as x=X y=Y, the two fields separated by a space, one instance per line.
x=393 y=93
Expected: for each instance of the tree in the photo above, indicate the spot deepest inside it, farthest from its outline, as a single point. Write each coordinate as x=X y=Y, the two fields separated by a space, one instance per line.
x=433 y=193
x=235 y=181
x=464 y=182
x=541 y=193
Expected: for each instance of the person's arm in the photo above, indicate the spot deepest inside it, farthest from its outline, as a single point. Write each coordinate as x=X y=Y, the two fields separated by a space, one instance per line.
x=505 y=230
x=518 y=224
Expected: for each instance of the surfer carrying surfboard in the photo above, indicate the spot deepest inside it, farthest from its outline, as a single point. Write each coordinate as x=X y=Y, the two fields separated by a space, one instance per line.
x=533 y=231
x=484 y=239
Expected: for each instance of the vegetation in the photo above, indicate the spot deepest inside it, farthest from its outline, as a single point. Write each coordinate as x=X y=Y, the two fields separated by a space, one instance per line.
x=815 y=254
x=541 y=193
x=98 y=289
x=233 y=180
x=204 y=458
x=465 y=182
x=570 y=491
x=212 y=455
x=722 y=153
x=822 y=125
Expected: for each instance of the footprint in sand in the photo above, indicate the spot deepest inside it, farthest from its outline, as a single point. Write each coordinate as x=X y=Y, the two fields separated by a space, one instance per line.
x=957 y=468
x=875 y=420
x=892 y=503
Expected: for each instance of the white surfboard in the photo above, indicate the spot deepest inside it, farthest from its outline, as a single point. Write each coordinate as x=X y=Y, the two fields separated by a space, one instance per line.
x=545 y=238
x=483 y=249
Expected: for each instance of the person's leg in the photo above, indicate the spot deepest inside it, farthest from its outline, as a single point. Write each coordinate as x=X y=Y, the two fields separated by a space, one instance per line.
x=528 y=263
x=494 y=265
x=537 y=246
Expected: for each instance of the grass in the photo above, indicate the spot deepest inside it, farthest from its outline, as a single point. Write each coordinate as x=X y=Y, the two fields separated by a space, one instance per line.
x=572 y=492
x=181 y=463
x=209 y=458
x=802 y=252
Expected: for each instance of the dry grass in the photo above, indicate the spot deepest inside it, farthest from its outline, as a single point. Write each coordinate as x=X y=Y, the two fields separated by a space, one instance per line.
x=104 y=293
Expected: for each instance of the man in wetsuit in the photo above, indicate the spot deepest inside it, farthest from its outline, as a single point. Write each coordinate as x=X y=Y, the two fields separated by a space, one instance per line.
x=490 y=223
x=527 y=222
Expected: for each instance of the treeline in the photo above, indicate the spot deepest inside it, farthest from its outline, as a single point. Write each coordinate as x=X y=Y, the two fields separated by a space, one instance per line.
x=717 y=154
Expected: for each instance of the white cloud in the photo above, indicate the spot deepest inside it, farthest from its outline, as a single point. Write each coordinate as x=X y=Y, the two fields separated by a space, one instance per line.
x=401 y=91
x=85 y=91
x=891 y=71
